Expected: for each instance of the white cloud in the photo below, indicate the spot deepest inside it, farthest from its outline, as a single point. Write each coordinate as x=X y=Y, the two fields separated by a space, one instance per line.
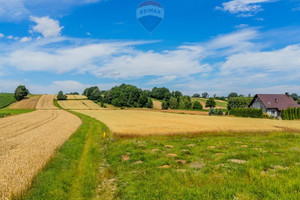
x=12 y=10
x=11 y=37
x=244 y=8
x=238 y=61
x=15 y=10
x=2 y=35
x=46 y=26
x=25 y=39
x=283 y=61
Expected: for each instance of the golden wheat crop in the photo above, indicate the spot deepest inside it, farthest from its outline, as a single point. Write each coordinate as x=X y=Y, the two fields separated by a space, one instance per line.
x=132 y=122
x=72 y=97
x=79 y=105
x=157 y=105
x=28 y=103
x=46 y=103
x=27 y=143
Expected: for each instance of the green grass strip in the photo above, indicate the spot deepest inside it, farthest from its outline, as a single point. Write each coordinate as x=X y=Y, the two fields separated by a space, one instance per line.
x=15 y=111
x=73 y=172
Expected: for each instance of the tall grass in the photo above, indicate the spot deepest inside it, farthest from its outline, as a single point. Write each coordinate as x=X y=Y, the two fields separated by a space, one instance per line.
x=6 y=99
x=222 y=166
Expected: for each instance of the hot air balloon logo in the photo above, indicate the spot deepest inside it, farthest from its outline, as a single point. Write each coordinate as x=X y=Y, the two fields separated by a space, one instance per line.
x=150 y=14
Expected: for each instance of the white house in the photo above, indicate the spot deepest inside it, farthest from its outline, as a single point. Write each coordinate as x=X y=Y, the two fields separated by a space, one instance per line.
x=273 y=104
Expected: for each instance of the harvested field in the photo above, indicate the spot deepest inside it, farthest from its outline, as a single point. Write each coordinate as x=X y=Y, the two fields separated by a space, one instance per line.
x=46 y=103
x=79 y=105
x=132 y=123
x=29 y=103
x=157 y=105
x=72 y=97
x=27 y=143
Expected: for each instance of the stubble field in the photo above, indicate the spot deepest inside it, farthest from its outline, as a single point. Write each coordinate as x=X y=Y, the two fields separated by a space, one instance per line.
x=29 y=103
x=79 y=105
x=28 y=141
x=72 y=97
x=139 y=123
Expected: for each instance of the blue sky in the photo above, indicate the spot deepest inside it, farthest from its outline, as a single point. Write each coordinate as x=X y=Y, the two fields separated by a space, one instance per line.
x=246 y=46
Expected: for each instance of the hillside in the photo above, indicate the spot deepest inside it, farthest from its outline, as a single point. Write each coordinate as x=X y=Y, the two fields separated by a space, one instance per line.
x=6 y=99
x=220 y=103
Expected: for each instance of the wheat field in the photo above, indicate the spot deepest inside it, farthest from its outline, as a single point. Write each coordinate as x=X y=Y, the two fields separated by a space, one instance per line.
x=132 y=122
x=28 y=142
x=46 y=103
x=79 y=105
x=29 y=103
x=72 y=97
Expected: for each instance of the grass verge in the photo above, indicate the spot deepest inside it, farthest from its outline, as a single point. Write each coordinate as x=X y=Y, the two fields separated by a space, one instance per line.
x=73 y=172
x=8 y=112
x=209 y=166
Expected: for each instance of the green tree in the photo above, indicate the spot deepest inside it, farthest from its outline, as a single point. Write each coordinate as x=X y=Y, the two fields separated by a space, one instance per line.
x=220 y=112
x=21 y=92
x=205 y=95
x=211 y=111
x=61 y=96
x=283 y=115
x=143 y=100
x=196 y=95
x=177 y=94
x=233 y=94
x=197 y=105
x=238 y=102
x=210 y=103
x=164 y=105
x=95 y=94
x=116 y=102
x=173 y=103
x=295 y=96
x=149 y=103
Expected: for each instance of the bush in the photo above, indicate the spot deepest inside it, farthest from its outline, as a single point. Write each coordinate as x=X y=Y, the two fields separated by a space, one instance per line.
x=196 y=95
x=290 y=114
x=173 y=103
x=127 y=96
x=4 y=115
x=266 y=116
x=238 y=102
x=161 y=93
x=295 y=96
x=197 y=105
x=61 y=96
x=21 y=92
x=220 y=112
x=247 y=112
x=164 y=105
x=149 y=103
x=233 y=94
x=212 y=111
x=210 y=103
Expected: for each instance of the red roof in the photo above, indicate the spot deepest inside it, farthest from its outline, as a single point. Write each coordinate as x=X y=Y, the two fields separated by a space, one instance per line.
x=278 y=101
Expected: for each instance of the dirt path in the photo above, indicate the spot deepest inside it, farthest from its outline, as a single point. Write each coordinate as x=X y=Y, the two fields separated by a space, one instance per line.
x=46 y=103
x=28 y=141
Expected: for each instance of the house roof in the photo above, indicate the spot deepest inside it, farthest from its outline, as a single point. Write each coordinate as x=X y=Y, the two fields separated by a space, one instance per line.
x=278 y=101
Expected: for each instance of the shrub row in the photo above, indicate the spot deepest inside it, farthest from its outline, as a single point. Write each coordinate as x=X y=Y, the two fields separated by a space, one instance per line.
x=290 y=114
x=213 y=111
x=247 y=112
x=238 y=102
x=4 y=115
